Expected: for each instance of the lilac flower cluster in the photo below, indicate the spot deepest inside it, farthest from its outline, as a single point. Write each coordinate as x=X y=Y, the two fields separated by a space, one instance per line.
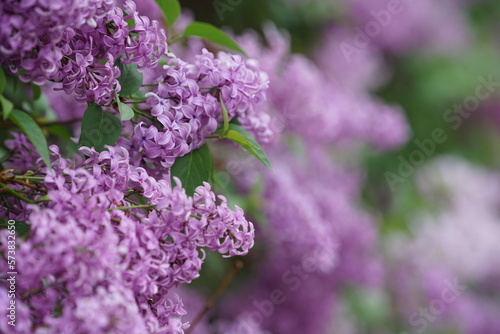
x=77 y=49
x=106 y=263
x=185 y=104
x=182 y=105
x=241 y=86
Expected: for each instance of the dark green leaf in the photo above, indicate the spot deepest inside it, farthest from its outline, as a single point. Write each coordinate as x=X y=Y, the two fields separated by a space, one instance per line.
x=21 y=227
x=3 y=81
x=99 y=128
x=241 y=137
x=193 y=168
x=130 y=79
x=33 y=132
x=68 y=145
x=6 y=106
x=171 y=10
x=37 y=92
x=212 y=34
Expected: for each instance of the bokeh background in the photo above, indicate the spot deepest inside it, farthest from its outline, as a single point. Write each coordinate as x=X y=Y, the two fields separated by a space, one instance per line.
x=411 y=202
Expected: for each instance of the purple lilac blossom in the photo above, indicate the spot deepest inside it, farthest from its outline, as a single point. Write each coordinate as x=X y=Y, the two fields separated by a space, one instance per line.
x=111 y=270
x=185 y=103
x=77 y=51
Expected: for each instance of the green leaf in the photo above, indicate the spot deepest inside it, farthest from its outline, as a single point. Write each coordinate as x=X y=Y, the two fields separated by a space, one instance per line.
x=99 y=128
x=171 y=10
x=7 y=106
x=67 y=144
x=21 y=227
x=140 y=95
x=225 y=127
x=241 y=137
x=3 y=81
x=213 y=34
x=33 y=132
x=126 y=113
x=193 y=168
x=130 y=79
x=37 y=92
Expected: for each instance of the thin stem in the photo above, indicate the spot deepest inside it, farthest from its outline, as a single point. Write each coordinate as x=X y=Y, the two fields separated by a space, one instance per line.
x=134 y=202
x=19 y=196
x=31 y=178
x=143 y=114
x=139 y=204
x=142 y=206
x=70 y=121
x=220 y=289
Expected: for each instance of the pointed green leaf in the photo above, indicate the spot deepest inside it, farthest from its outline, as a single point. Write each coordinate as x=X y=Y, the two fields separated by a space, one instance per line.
x=130 y=79
x=33 y=132
x=212 y=34
x=99 y=128
x=193 y=168
x=171 y=10
x=7 y=106
x=241 y=137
